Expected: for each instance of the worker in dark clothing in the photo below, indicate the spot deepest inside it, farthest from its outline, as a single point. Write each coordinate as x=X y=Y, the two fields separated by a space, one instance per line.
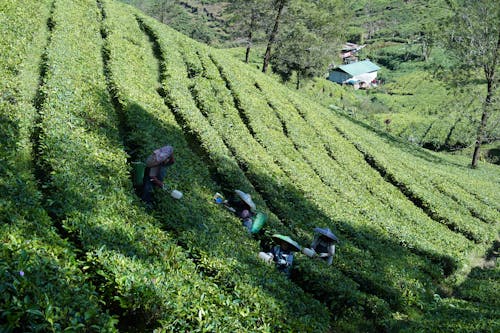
x=282 y=253
x=241 y=205
x=156 y=170
x=323 y=245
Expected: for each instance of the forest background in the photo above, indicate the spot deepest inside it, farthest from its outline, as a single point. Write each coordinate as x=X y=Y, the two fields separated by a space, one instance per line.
x=438 y=91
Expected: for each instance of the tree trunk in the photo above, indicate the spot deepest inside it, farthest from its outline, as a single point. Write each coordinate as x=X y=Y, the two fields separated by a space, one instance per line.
x=272 y=37
x=489 y=71
x=162 y=7
x=480 y=136
x=162 y=14
x=484 y=119
x=298 y=81
x=426 y=48
x=250 y=35
x=249 y=45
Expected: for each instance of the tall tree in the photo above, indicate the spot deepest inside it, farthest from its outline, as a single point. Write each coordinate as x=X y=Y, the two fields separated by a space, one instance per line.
x=249 y=17
x=279 y=6
x=425 y=24
x=162 y=9
x=310 y=40
x=474 y=39
x=426 y=36
x=298 y=51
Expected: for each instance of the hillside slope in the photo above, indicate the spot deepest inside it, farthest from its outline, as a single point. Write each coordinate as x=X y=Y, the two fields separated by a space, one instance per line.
x=114 y=84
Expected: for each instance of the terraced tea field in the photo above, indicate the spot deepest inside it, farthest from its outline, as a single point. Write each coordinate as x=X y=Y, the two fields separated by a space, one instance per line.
x=94 y=85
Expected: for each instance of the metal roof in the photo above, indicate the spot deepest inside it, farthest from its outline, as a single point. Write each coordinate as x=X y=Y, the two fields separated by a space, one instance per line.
x=360 y=67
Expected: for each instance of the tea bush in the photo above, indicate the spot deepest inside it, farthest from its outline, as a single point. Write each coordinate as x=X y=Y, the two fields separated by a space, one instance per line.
x=137 y=266
x=42 y=285
x=115 y=85
x=229 y=130
x=266 y=147
x=214 y=239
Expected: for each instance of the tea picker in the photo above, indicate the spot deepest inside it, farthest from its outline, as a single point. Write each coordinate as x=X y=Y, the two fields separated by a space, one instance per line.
x=243 y=206
x=282 y=253
x=155 y=170
x=323 y=245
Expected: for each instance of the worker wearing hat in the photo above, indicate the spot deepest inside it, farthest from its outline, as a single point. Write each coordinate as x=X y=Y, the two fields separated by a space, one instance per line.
x=323 y=245
x=156 y=170
x=242 y=205
x=282 y=253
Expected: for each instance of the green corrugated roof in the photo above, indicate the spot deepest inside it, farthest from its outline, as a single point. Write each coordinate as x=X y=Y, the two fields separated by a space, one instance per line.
x=360 y=67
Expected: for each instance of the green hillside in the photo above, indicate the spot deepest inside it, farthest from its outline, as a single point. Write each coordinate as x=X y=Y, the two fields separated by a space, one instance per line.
x=91 y=86
x=422 y=95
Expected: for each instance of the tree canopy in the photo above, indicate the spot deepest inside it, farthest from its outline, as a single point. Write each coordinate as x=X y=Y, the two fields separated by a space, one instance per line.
x=310 y=39
x=474 y=40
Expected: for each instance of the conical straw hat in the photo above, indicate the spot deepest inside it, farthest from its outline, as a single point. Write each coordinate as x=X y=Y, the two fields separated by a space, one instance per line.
x=246 y=198
x=282 y=238
x=327 y=233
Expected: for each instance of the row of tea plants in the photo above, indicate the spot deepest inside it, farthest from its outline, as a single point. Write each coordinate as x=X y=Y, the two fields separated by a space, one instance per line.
x=235 y=127
x=42 y=284
x=335 y=289
x=217 y=106
x=256 y=297
x=139 y=270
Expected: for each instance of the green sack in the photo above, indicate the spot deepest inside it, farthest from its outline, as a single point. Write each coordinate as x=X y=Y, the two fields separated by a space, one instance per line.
x=138 y=169
x=258 y=223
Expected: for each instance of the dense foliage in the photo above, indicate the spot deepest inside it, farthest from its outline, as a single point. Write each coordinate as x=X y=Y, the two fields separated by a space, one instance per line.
x=428 y=96
x=214 y=239
x=43 y=286
x=96 y=85
x=197 y=19
x=423 y=97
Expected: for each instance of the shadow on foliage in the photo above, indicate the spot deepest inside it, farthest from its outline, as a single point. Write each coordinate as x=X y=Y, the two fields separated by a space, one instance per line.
x=37 y=266
x=10 y=133
x=39 y=276
x=202 y=228
x=401 y=144
x=472 y=307
x=213 y=237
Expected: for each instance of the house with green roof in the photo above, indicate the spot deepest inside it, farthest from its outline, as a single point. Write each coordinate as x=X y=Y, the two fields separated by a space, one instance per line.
x=361 y=73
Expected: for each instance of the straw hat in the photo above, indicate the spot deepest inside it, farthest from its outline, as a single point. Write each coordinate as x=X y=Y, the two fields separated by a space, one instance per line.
x=281 y=238
x=327 y=233
x=246 y=198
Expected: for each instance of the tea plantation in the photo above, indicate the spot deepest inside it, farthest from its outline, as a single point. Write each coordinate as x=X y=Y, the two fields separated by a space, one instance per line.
x=88 y=87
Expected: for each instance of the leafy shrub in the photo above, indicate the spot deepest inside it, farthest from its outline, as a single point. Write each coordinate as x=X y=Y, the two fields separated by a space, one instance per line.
x=42 y=284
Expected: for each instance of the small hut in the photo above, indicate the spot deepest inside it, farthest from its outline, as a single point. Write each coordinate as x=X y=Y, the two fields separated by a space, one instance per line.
x=361 y=74
x=349 y=52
